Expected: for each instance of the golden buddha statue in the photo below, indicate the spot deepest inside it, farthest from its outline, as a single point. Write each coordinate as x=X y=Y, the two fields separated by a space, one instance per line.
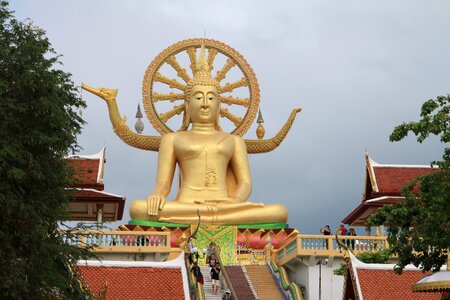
x=209 y=161
x=214 y=169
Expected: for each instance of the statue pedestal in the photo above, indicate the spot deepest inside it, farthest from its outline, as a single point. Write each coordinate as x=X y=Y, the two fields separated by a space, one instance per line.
x=234 y=241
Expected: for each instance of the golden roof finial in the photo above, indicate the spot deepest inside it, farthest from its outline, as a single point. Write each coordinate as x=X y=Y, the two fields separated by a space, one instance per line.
x=260 y=131
x=260 y=118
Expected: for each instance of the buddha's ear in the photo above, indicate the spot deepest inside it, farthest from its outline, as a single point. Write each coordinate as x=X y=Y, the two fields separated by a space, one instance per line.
x=216 y=121
x=186 y=117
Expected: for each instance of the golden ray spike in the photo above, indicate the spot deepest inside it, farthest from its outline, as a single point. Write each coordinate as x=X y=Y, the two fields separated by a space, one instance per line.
x=171 y=97
x=172 y=61
x=231 y=86
x=176 y=110
x=211 y=56
x=173 y=83
x=192 y=52
x=235 y=100
x=233 y=118
x=223 y=72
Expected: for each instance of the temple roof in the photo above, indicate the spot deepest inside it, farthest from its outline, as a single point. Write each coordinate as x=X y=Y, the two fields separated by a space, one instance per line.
x=85 y=203
x=379 y=281
x=362 y=212
x=439 y=281
x=388 y=179
x=89 y=169
x=137 y=280
x=383 y=184
x=88 y=195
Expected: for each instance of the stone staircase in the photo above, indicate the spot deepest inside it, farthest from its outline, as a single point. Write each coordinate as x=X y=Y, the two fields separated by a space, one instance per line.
x=207 y=287
x=240 y=282
x=263 y=282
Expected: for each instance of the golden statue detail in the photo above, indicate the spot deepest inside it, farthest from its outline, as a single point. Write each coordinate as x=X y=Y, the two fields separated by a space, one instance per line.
x=214 y=170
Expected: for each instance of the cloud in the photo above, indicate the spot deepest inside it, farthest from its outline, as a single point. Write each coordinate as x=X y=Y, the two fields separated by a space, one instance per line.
x=357 y=69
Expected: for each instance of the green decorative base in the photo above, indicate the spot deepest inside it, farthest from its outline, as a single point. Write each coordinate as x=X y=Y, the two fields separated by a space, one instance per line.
x=264 y=226
x=240 y=226
x=156 y=224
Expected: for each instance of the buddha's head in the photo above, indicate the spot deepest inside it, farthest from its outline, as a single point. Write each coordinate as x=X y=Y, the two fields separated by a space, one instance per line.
x=202 y=96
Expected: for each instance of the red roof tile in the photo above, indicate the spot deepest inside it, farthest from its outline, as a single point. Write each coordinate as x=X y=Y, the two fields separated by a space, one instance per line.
x=135 y=282
x=86 y=171
x=385 y=284
x=384 y=180
x=390 y=180
x=379 y=282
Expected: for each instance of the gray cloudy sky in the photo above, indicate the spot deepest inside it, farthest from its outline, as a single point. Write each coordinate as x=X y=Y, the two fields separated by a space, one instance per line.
x=357 y=68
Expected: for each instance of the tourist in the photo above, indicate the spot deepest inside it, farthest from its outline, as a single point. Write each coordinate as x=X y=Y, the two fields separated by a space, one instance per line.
x=352 y=233
x=227 y=295
x=197 y=273
x=212 y=261
x=209 y=252
x=193 y=257
x=190 y=247
x=326 y=231
x=215 y=278
x=342 y=229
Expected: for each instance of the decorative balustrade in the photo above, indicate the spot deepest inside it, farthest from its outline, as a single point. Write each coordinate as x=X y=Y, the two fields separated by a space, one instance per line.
x=252 y=257
x=323 y=245
x=120 y=241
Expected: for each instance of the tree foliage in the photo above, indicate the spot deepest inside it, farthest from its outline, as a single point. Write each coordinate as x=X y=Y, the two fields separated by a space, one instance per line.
x=38 y=107
x=418 y=227
x=375 y=257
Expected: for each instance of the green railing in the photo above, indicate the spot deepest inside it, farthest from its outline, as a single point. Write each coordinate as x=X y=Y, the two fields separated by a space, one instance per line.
x=286 y=284
x=195 y=288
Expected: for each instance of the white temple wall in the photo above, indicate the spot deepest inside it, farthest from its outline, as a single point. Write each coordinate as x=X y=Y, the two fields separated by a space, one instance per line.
x=305 y=271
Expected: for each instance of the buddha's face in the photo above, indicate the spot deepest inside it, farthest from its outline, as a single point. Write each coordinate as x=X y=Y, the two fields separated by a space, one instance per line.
x=203 y=104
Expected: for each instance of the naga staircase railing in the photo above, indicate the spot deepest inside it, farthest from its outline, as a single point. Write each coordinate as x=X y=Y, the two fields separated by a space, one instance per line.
x=224 y=272
x=195 y=288
x=286 y=284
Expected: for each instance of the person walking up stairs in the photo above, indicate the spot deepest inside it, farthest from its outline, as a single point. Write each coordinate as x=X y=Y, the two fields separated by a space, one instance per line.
x=207 y=287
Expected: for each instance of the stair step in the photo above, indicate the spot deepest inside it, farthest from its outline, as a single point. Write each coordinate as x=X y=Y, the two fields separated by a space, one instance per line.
x=264 y=283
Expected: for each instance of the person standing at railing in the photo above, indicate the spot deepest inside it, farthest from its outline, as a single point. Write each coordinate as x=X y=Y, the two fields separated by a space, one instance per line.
x=343 y=231
x=352 y=233
x=197 y=273
x=326 y=231
x=193 y=257
x=190 y=247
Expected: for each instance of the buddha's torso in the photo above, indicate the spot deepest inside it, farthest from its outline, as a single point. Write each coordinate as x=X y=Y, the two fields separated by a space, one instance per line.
x=203 y=159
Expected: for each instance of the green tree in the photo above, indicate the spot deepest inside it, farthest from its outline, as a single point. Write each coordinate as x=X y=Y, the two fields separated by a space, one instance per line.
x=376 y=257
x=39 y=124
x=418 y=227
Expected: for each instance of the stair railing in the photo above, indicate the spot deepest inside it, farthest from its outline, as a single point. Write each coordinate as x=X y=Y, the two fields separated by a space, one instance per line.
x=224 y=272
x=195 y=288
x=286 y=284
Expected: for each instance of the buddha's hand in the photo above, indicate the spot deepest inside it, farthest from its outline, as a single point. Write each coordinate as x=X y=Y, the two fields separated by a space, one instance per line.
x=154 y=204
